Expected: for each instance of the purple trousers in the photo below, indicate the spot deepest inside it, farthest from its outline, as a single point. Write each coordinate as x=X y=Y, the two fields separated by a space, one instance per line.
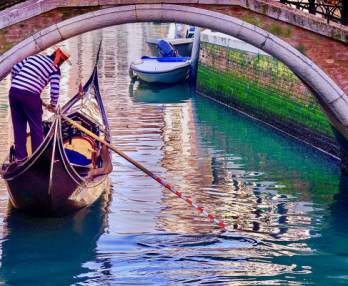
x=26 y=108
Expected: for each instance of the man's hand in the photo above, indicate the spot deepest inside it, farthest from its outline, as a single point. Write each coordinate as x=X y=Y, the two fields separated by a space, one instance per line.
x=51 y=108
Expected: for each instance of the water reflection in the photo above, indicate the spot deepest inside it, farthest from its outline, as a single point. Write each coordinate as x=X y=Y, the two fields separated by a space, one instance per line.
x=259 y=201
x=282 y=197
x=338 y=207
x=55 y=248
x=160 y=93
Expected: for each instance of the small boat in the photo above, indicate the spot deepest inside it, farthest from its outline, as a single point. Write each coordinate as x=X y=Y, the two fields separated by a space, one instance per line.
x=164 y=70
x=182 y=45
x=169 y=68
x=55 y=179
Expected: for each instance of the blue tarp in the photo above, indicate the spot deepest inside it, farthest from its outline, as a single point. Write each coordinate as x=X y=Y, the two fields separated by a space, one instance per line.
x=166 y=59
x=166 y=49
x=77 y=158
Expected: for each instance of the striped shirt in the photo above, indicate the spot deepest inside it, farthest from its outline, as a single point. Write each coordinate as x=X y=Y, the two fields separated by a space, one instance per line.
x=33 y=73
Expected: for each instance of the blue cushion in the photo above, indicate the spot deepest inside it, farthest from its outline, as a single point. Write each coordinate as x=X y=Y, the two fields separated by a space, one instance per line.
x=77 y=158
x=166 y=60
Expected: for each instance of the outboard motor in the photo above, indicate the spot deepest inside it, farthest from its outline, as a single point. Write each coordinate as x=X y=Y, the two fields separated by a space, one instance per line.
x=166 y=49
x=190 y=32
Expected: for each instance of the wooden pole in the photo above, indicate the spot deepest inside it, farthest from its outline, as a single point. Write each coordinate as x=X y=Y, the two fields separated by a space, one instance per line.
x=188 y=200
x=212 y=218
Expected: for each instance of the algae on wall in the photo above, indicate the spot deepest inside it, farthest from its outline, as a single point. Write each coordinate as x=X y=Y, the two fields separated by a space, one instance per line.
x=265 y=88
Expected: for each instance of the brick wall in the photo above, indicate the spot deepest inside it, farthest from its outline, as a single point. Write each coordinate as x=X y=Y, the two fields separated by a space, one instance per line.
x=329 y=54
x=265 y=88
x=22 y=30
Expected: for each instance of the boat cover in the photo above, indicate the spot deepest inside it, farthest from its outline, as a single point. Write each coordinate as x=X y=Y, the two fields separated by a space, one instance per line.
x=167 y=59
x=77 y=158
x=166 y=49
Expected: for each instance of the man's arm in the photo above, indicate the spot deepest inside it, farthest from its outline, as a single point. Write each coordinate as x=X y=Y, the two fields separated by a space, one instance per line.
x=55 y=82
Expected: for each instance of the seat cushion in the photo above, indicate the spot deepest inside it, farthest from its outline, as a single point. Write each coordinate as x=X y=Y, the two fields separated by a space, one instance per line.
x=77 y=158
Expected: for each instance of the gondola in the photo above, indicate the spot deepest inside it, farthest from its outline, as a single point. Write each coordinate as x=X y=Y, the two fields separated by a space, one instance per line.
x=55 y=180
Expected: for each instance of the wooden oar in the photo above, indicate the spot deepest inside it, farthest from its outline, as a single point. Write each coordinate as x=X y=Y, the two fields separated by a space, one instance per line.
x=188 y=200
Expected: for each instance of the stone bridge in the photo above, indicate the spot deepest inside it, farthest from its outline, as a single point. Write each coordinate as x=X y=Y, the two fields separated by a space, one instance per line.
x=315 y=51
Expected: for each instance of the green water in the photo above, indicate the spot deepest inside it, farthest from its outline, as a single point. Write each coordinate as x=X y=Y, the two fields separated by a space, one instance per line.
x=308 y=181
x=284 y=203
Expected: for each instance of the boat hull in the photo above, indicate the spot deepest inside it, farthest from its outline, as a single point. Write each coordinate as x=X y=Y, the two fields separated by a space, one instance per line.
x=33 y=197
x=47 y=183
x=172 y=75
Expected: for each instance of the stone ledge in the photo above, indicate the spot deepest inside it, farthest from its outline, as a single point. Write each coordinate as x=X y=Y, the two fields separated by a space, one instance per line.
x=229 y=42
x=32 y=8
x=298 y=18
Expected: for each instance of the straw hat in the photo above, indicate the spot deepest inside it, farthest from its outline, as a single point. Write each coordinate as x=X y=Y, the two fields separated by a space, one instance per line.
x=61 y=53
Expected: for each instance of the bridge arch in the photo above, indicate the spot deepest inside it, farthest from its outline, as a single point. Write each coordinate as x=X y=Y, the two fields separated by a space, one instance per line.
x=332 y=99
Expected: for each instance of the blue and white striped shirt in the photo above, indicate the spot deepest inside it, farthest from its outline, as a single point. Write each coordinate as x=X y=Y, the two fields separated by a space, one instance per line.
x=33 y=73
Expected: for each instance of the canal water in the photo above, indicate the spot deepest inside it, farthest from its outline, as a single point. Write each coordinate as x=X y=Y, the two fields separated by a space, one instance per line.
x=288 y=201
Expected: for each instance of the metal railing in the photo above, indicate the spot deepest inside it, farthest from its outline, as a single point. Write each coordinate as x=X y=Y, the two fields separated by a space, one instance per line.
x=331 y=10
x=8 y=3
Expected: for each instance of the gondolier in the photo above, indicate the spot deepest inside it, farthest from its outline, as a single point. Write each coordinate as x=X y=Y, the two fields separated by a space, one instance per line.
x=29 y=78
x=58 y=179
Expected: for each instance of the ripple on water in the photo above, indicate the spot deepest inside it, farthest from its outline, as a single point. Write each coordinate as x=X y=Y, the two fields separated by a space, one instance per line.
x=174 y=258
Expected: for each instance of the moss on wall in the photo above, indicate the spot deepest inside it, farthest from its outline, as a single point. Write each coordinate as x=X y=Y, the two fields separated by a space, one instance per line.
x=265 y=88
x=279 y=30
x=261 y=100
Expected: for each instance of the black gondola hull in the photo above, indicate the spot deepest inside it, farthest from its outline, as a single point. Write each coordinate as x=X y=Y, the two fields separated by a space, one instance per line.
x=47 y=183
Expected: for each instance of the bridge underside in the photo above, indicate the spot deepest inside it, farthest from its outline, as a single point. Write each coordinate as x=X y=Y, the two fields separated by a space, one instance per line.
x=331 y=97
x=325 y=45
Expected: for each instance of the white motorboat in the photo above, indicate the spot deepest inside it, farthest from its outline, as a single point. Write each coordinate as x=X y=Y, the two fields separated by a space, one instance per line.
x=164 y=70
x=168 y=68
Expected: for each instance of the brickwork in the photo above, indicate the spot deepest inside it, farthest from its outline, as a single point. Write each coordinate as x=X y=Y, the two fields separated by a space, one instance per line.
x=262 y=70
x=329 y=53
x=16 y=33
x=264 y=87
